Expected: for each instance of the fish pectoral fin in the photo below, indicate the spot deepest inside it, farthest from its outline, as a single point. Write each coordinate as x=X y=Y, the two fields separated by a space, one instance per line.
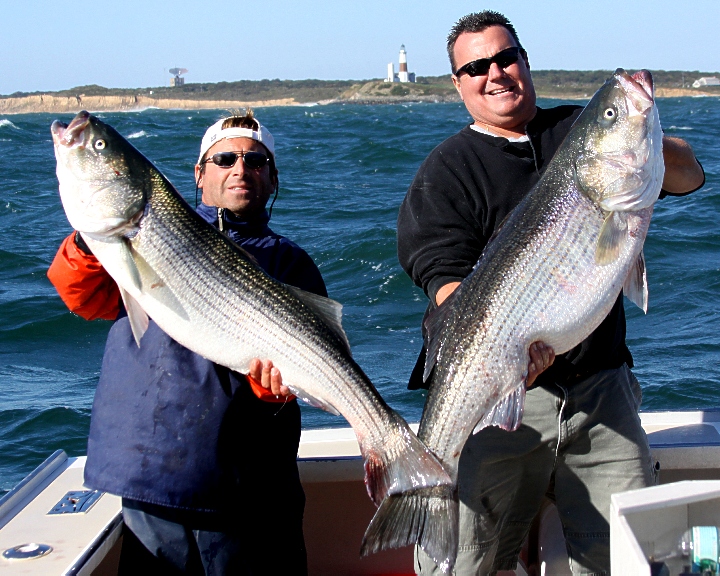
x=635 y=287
x=612 y=234
x=314 y=401
x=506 y=414
x=154 y=287
x=329 y=310
x=139 y=320
x=118 y=259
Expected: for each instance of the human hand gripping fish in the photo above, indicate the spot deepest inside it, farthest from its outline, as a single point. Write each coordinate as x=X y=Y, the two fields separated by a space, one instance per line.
x=207 y=294
x=542 y=356
x=551 y=274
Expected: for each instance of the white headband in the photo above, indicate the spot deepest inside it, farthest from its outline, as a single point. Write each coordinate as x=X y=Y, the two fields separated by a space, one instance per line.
x=216 y=133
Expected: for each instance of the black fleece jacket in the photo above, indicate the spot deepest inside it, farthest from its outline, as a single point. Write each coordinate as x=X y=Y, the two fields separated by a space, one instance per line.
x=461 y=194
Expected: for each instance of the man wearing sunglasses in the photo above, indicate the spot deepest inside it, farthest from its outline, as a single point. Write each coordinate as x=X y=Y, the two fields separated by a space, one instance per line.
x=204 y=458
x=458 y=199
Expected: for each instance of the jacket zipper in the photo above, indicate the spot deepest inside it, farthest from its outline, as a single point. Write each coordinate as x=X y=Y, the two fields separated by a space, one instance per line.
x=532 y=147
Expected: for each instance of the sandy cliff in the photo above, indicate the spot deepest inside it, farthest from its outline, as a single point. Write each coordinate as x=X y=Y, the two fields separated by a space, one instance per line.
x=59 y=105
x=73 y=104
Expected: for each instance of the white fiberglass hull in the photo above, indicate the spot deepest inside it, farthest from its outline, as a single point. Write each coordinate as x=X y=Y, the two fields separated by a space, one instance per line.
x=338 y=510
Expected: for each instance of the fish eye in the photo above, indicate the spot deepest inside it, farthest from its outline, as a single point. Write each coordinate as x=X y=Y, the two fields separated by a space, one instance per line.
x=609 y=113
x=100 y=144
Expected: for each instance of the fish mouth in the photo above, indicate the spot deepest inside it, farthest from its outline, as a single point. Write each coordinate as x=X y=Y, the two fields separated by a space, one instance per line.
x=71 y=135
x=638 y=88
x=644 y=79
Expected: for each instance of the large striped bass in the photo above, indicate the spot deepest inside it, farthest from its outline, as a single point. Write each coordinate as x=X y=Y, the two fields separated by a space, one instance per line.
x=207 y=294
x=552 y=274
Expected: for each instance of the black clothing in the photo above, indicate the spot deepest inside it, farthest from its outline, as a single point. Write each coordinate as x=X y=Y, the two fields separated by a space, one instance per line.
x=460 y=196
x=164 y=541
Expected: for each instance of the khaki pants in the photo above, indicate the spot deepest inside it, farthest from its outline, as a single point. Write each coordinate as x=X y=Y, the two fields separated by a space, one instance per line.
x=577 y=445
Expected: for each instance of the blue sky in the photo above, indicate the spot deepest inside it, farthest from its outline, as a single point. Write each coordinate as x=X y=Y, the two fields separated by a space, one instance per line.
x=58 y=44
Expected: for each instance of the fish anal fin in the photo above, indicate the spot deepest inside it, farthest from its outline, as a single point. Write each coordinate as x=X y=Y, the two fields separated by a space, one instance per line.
x=329 y=310
x=635 y=287
x=506 y=414
x=314 y=401
x=612 y=234
x=139 y=320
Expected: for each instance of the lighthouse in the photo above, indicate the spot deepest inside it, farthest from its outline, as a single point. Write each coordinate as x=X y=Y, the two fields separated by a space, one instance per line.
x=403 y=75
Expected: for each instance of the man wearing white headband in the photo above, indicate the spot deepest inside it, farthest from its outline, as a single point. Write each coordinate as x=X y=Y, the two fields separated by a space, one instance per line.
x=204 y=458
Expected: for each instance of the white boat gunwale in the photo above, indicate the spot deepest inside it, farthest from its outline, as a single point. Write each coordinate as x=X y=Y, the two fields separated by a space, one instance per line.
x=686 y=443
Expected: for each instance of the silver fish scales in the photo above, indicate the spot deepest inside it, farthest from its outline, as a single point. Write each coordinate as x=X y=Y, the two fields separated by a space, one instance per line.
x=552 y=274
x=208 y=295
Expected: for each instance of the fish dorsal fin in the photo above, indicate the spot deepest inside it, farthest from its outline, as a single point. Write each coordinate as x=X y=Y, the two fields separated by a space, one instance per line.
x=506 y=414
x=612 y=234
x=434 y=323
x=635 y=287
x=139 y=320
x=329 y=310
x=313 y=401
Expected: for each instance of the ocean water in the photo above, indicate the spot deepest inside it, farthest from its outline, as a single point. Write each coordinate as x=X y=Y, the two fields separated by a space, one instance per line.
x=344 y=170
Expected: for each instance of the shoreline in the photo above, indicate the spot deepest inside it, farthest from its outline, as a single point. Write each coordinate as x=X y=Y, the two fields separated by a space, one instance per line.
x=47 y=103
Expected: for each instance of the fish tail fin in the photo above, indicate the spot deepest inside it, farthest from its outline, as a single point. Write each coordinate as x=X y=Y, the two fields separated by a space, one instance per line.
x=428 y=517
x=400 y=462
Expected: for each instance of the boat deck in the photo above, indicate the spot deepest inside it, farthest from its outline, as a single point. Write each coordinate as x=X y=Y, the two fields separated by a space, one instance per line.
x=687 y=445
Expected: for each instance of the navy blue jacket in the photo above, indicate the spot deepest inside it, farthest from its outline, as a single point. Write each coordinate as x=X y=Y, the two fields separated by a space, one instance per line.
x=171 y=428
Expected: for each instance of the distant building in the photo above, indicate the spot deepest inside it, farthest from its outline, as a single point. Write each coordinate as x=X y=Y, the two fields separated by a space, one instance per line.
x=403 y=75
x=177 y=79
x=706 y=81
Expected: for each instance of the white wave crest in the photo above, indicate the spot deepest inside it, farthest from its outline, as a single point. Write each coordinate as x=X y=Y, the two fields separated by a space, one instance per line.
x=5 y=122
x=139 y=134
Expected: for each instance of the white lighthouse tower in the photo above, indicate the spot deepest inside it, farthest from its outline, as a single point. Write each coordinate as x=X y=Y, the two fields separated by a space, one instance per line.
x=403 y=72
x=403 y=75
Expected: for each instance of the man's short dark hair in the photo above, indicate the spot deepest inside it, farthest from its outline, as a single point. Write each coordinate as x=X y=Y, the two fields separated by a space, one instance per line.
x=477 y=22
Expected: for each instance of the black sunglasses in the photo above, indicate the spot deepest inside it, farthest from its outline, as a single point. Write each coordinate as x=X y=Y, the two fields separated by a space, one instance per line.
x=253 y=160
x=481 y=66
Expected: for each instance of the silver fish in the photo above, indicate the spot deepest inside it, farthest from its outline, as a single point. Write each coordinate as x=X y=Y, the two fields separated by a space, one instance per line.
x=551 y=274
x=208 y=295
